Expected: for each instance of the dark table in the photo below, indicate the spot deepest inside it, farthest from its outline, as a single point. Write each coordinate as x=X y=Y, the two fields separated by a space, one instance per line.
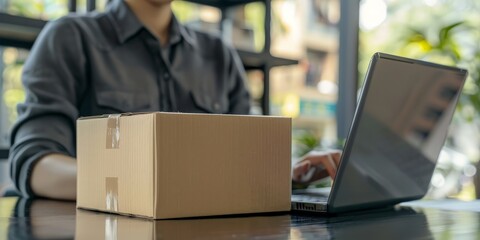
x=45 y=219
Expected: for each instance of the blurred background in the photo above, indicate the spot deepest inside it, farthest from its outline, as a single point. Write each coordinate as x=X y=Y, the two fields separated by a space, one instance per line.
x=305 y=59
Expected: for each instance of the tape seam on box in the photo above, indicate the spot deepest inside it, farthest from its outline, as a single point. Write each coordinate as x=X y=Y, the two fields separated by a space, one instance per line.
x=111 y=195
x=113 y=131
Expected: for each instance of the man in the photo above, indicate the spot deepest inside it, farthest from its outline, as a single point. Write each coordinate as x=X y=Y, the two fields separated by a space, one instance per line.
x=134 y=57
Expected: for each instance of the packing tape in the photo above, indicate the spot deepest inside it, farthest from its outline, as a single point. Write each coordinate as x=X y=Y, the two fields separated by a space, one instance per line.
x=111 y=228
x=111 y=195
x=113 y=131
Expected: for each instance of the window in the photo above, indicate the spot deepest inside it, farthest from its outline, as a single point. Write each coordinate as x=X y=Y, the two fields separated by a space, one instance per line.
x=39 y=9
x=306 y=30
x=11 y=90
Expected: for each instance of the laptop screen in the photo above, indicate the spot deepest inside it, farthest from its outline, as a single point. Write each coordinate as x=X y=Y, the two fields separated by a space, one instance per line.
x=399 y=129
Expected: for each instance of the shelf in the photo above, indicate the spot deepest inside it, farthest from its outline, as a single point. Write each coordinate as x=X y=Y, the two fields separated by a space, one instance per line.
x=254 y=60
x=21 y=32
x=3 y=154
x=222 y=3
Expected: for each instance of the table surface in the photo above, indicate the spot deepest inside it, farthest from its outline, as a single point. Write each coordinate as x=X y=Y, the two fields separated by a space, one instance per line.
x=45 y=219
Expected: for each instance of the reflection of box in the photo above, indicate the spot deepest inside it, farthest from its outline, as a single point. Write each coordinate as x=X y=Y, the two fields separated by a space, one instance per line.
x=90 y=225
x=170 y=165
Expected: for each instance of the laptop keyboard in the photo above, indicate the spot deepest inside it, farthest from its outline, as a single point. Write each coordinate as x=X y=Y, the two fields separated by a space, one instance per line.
x=309 y=199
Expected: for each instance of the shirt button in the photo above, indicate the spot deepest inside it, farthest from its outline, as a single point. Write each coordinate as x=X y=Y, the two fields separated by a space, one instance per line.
x=216 y=106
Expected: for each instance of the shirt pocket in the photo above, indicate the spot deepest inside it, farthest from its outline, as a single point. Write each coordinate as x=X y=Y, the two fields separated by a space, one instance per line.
x=123 y=101
x=210 y=104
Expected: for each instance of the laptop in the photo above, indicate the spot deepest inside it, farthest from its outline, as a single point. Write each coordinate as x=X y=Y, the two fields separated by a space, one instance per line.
x=398 y=130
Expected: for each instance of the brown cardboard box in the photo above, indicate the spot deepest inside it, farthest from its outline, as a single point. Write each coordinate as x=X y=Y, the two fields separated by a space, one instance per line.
x=172 y=165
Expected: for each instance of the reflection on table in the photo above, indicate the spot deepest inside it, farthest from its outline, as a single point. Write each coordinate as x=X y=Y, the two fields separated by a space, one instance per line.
x=46 y=219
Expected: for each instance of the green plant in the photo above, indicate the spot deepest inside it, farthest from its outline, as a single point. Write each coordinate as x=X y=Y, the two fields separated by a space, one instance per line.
x=306 y=142
x=446 y=47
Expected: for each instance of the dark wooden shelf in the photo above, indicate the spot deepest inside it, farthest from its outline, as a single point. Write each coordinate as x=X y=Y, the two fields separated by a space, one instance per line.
x=222 y=3
x=21 y=32
x=261 y=60
x=3 y=154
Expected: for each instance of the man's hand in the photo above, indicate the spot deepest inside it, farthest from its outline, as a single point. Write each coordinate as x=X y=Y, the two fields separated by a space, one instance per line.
x=318 y=164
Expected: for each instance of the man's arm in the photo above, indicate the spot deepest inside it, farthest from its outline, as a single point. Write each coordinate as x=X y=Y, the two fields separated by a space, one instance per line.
x=53 y=77
x=54 y=176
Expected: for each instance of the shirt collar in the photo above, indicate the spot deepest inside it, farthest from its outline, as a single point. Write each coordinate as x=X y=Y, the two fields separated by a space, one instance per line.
x=126 y=24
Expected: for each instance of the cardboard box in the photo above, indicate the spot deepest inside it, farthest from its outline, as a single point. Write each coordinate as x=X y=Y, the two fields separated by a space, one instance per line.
x=173 y=165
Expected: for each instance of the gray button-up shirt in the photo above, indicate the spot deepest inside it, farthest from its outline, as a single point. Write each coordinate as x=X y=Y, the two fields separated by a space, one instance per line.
x=108 y=63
